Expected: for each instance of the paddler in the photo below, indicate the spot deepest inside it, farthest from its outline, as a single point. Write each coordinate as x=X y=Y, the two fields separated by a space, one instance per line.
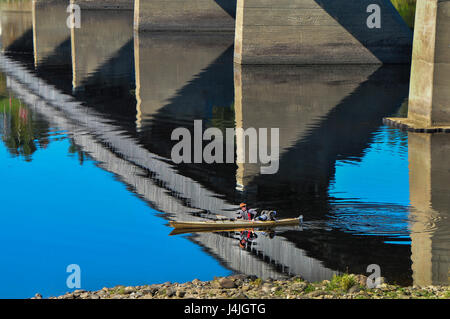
x=244 y=213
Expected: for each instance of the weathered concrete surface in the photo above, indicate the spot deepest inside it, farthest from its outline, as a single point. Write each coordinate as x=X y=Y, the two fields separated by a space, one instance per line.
x=429 y=172
x=50 y=31
x=182 y=15
x=104 y=4
x=101 y=36
x=319 y=32
x=429 y=97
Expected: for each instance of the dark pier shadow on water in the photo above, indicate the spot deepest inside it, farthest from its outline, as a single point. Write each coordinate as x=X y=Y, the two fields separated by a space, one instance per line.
x=23 y=44
x=56 y=69
x=207 y=96
x=191 y=90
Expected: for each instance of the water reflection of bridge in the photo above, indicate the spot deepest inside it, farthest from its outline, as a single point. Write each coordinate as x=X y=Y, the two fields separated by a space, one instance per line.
x=166 y=192
x=179 y=79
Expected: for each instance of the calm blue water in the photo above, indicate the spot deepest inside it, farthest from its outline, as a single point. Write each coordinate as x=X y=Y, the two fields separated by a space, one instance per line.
x=56 y=212
x=377 y=186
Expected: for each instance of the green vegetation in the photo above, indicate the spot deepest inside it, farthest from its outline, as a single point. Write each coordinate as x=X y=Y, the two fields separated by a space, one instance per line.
x=222 y=117
x=309 y=288
x=120 y=290
x=21 y=133
x=407 y=9
x=342 y=282
x=257 y=282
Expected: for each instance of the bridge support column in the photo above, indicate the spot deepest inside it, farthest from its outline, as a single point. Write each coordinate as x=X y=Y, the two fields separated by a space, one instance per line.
x=182 y=15
x=429 y=97
x=320 y=32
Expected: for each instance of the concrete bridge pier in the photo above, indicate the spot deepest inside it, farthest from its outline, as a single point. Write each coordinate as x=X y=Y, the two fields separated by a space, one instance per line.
x=429 y=97
x=181 y=15
x=320 y=32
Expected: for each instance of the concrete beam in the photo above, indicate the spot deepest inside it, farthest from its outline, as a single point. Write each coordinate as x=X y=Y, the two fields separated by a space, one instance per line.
x=319 y=32
x=182 y=15
x=104 y=4
x=429 y=97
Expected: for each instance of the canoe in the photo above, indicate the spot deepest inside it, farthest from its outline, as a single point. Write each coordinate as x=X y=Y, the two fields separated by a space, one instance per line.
x=230 y=224
x=181 y=231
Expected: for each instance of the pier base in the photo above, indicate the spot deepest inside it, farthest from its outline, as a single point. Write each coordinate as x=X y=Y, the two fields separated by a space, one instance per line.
x=429 y=96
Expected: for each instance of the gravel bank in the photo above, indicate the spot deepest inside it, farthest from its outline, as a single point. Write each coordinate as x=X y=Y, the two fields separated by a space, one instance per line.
x=244 y=287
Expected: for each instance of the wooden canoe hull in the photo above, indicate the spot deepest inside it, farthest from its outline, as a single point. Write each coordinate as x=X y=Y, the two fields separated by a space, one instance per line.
x=225 y=224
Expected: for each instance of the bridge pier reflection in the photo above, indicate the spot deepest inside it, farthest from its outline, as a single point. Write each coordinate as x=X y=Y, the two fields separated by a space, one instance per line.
x=430 y=216
x=16 y=26
x=51 y=35
x=113 y=30
x=297 y=100
x=172 y=77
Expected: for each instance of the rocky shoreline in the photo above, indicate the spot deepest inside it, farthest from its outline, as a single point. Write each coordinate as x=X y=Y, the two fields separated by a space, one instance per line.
x=245 y=287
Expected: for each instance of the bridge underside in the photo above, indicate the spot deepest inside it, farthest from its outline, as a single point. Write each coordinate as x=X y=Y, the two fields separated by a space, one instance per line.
x=289 y=31
x=320 y=32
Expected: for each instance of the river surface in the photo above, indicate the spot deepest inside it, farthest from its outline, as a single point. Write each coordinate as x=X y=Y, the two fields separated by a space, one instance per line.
x=86 y=175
